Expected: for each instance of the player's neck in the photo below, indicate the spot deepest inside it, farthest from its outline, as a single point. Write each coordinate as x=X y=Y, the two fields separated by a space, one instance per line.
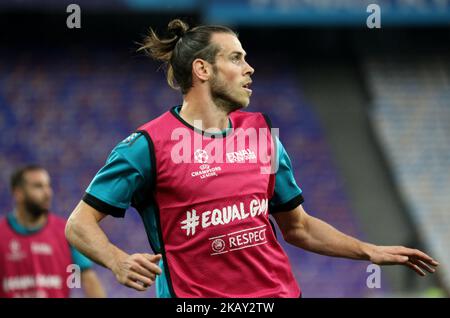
x=28 y=220
x=203 y=114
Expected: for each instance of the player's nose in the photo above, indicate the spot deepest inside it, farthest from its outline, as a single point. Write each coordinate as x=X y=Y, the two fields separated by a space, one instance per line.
x=249 y=70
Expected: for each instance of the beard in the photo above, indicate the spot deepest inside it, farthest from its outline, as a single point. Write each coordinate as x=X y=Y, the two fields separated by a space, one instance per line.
x=223 y=96
x=35 y=209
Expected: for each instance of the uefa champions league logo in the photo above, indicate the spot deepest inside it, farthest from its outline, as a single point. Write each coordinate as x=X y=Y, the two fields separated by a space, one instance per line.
x=16 y=253
x=14 y=246
x=201 y=156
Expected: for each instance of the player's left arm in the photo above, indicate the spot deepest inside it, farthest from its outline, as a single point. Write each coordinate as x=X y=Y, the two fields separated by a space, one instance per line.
x=90 y=282
x=305 y=231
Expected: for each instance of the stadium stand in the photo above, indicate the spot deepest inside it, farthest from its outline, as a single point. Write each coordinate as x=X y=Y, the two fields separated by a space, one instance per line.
x=411 y=116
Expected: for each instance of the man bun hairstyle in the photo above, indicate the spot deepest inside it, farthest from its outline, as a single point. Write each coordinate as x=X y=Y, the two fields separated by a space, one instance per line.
x=178 y=28
x=180 y=48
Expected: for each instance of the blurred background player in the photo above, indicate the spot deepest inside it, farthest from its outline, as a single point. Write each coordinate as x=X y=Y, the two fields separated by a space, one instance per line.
x=35 y=257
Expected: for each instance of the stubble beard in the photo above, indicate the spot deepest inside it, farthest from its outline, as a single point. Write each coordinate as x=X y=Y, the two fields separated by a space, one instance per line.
x=223 y=97
x=35 y=209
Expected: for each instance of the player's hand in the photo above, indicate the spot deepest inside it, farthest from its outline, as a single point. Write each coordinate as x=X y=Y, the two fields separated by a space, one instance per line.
x=400 y=255
x=137 y=271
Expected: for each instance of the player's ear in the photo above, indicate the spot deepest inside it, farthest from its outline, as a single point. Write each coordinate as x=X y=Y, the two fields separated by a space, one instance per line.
x=201 y=69
x=18 y=194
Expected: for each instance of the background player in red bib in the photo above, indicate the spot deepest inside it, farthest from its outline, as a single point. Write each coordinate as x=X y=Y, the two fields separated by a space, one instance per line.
x=35 y=258
x=208 y=64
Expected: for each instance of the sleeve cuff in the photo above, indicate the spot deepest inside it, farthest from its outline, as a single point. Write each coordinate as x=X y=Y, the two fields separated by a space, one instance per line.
x=103 y=206
x=290 y=205
x=86 y=266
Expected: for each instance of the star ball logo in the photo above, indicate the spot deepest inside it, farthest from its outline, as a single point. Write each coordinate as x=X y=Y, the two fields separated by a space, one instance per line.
x=16 y=253
x=14 y=246
x=201 y=156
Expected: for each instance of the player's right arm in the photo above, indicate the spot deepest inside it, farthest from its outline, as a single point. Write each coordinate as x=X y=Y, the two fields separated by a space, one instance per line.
x=110 y=193
x=137 y=271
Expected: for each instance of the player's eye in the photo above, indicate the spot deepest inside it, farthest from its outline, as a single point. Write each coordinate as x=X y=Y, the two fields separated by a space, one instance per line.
x=235 y=58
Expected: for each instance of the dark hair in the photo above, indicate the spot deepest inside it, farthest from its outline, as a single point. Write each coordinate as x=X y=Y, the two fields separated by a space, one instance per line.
x=181 y=48
x=17 y=178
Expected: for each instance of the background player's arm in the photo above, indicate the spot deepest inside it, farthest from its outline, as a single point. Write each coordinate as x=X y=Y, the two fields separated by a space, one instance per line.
x=312 y=234
x=137 y=271
x=91 y=284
